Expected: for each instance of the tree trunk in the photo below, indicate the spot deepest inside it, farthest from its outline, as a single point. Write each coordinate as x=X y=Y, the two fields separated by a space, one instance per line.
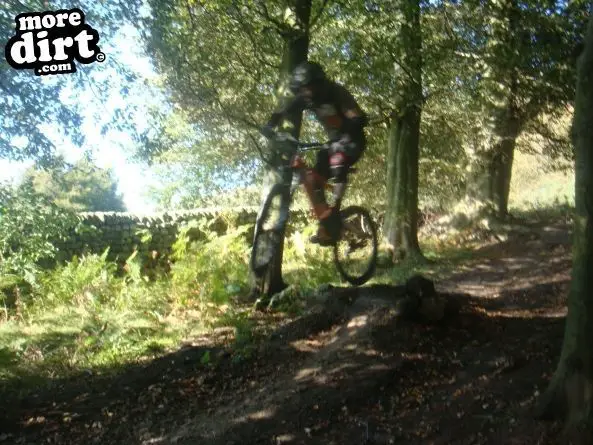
x=508 y=128
x=401 y=216
x=570 y=393
x=490 y=179
x=296 y=47
x=502 y=164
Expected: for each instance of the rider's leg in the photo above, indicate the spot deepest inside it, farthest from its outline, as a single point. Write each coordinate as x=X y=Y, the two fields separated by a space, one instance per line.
x=339 y=171
x=340 y=163
x=322 y=167
x=329 y=223
x=323 y=171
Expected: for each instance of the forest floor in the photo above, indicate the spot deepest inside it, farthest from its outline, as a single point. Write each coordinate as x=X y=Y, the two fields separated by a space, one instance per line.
x=346 y=372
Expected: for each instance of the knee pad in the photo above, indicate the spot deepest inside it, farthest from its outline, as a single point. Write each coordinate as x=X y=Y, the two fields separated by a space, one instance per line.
x=339 y=166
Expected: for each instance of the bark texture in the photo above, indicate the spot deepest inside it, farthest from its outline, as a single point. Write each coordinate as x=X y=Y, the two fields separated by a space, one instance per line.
x=401 y=217
x=570 y=394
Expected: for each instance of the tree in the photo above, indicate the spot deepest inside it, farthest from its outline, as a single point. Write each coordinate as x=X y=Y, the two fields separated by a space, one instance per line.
x=82 y=187
x=570 y=392
x=522 y=55
x=399 y=60
x=30 y=103
x=29 y=225
x=401 y=215
x=260 y=42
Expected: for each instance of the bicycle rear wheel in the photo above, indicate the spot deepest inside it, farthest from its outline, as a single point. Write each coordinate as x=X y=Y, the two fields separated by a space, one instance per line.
x=355 y=253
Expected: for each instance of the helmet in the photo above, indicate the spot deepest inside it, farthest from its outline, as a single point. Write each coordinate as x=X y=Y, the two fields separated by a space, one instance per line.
x=305 y=74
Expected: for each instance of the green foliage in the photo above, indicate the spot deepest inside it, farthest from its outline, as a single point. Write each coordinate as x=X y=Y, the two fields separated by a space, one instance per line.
x=307 y=264
x=219 y=105
x=82 y=187
x=210 y=270
x=87 y=315
x=517 y=60
x=469 y=49
x=29 y=103
x=188 y=43
x=193 y=170
x=84 y=315
x=29 y=223
x=535 y=184
x=89 y=281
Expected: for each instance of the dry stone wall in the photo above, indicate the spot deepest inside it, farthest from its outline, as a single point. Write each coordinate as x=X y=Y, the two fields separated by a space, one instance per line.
x=123 y=232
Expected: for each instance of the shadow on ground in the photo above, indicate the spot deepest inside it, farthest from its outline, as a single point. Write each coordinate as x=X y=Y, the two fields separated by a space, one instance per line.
x=338 y=376
x=350 y=372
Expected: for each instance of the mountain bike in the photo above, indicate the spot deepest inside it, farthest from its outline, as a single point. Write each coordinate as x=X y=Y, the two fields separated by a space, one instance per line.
x=354 y=243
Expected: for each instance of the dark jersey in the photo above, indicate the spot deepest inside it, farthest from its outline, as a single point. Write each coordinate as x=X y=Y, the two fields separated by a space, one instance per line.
x=329 y=106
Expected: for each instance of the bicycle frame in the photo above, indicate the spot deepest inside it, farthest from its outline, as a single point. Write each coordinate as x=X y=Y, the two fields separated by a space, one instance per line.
x=293 y=171
x=300 y=174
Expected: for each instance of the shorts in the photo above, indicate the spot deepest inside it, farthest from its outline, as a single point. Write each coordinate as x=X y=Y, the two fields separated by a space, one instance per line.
x=338 y=166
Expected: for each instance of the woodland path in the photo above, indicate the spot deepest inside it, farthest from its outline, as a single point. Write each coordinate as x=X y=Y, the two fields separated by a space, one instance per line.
x=351 y=371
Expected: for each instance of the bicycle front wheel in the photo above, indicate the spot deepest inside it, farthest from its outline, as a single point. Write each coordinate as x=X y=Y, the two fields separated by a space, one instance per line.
x=265 y=240
x=355 y=253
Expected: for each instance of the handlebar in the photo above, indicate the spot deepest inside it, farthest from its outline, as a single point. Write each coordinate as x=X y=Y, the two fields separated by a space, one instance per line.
x=282 y=137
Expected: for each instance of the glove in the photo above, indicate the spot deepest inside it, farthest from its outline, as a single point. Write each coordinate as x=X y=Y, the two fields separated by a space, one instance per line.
x=268 y=131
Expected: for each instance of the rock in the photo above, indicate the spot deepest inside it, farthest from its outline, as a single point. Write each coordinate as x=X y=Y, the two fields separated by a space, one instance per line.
x=432 y=309
x=407 y=307
x=420 y=287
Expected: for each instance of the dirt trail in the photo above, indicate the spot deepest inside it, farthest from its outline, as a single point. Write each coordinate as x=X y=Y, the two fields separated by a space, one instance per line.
x=353 y=372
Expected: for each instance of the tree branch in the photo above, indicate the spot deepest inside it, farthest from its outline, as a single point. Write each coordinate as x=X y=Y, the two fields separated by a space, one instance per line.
x=314 y=20
x=281 y=28
x=257 y=55
x=238 y=56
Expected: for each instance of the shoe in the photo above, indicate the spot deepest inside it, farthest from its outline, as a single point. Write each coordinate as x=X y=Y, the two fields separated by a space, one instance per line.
x=322 y=238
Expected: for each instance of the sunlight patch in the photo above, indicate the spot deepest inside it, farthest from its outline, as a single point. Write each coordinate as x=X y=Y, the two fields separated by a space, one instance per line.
x=358 y=322
x=342 y=367
x=266 y=413
x=369 y=352
x=285 y=438
x=307 y=372
x=153 y=440
x=306 y=345
x=262 y=414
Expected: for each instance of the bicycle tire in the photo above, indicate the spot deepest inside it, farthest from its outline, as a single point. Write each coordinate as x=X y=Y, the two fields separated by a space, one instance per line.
x=265 y=243
x=369 y=269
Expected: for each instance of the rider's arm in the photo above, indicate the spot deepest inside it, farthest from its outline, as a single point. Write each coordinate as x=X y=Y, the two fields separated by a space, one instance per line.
x=296 y=104
x=354 y=118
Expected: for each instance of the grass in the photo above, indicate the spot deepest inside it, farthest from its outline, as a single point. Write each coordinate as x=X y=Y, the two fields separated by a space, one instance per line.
x=537 y=193
x=70 y=339
x=83 y=317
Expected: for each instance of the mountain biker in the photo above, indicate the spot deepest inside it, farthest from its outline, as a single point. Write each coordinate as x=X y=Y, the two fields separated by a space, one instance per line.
x=342 y=119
